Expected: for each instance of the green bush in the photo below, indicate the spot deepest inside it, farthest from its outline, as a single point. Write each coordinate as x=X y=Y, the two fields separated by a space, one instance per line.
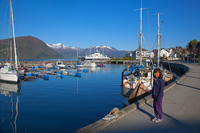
x=116 y=59
x=127 y=58
x=124 y=58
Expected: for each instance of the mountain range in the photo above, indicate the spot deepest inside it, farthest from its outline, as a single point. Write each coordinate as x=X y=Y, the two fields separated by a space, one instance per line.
x=71 y=52
x=29 y=47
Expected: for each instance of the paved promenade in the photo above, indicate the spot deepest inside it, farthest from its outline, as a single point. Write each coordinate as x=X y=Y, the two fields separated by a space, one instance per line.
x=181 y=107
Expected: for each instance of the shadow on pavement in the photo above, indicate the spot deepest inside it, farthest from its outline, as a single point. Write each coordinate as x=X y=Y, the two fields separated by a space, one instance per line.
x=188 y=86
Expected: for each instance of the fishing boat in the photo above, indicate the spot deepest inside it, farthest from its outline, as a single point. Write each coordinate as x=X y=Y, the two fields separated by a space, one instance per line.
x=85 y=64
x=8 y=72
x=60 y=65
x=137 y=81
x=89 y=64
x=79 y=64
x=48 y=65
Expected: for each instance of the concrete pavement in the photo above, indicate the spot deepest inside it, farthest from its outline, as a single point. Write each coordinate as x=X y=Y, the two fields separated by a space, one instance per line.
x=181 y=108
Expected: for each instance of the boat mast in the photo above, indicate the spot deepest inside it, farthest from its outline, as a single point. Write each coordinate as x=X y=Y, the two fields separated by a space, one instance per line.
x=158 y=40
x=77 y=52
x=158 y=36
x=10 y=41
x=15 y=52
x=141 y=34
x=140 y=46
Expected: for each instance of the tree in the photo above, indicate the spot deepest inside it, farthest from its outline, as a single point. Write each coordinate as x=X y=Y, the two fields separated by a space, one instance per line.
x=192 y=46
x=194 y=41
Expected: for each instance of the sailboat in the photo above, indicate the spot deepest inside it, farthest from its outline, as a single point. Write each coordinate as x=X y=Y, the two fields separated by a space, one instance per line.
x=8 y=72
x=137 y=81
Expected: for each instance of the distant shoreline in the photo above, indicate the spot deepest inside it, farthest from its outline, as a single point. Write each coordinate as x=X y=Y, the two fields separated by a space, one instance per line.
x=64 y=59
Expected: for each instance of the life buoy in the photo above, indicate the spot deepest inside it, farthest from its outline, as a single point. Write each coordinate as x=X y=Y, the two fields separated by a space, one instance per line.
x=126 y=84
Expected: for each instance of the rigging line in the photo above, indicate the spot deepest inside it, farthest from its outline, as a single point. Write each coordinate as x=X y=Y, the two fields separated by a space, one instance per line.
x=161 y=43
x=154 y=44
x=136 y=39
x=145 y=42
x=138 y=36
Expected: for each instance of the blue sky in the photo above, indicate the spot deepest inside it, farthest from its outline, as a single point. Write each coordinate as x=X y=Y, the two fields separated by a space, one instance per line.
x=84 y=23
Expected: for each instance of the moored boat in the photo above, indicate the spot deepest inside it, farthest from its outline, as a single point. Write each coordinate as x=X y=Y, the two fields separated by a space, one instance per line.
x=100 y=65
x=89 y=64
x=60 y=65
x=137 y=81
x=97 y=56
x=8 y=72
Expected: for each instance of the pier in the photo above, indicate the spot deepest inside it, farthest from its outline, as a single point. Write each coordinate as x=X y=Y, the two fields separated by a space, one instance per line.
x=123 y=62
x=181 y=110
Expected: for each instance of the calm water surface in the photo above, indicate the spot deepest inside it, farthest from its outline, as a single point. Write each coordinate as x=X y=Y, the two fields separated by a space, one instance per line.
x=60 y=105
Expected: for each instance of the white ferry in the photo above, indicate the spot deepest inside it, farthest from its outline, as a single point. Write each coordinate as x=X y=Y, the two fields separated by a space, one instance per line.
x=97 y=56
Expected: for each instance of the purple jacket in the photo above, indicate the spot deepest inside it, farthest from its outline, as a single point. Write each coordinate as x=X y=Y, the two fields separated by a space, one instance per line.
x=158 y=88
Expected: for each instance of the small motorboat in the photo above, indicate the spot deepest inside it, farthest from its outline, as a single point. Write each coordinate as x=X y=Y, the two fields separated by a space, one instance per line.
x=100 y=65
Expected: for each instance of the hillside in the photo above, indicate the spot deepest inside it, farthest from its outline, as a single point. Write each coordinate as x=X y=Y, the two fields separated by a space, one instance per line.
x=28 y=47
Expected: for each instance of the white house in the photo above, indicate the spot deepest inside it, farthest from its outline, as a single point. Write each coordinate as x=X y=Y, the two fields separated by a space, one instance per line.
x=166 y=53
x=136 y=54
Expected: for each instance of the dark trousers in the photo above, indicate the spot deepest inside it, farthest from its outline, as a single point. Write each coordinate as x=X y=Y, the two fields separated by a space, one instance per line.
x=157 y=105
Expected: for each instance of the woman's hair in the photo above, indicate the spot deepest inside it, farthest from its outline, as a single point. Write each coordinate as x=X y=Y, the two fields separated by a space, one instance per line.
x=158 y=70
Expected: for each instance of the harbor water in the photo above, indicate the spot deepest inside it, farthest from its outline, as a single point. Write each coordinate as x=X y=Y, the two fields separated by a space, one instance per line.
x=60 y=104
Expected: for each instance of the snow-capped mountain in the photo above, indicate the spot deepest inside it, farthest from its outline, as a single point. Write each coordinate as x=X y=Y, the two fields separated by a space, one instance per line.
x=70 y=52
x=61 y=46
x=102 y=47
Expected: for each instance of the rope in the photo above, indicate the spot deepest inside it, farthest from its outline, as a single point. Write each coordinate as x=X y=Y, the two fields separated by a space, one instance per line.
x=154 y=44
x=145 y=42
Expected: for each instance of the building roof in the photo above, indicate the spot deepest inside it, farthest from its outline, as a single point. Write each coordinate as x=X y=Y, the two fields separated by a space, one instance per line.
x=139 y=49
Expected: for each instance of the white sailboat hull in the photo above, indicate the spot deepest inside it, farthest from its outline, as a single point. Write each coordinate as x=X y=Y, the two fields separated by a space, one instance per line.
x=9 y=77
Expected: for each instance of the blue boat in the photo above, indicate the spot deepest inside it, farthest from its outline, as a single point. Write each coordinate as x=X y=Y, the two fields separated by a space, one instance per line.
x=45 y=77
x=29 y=74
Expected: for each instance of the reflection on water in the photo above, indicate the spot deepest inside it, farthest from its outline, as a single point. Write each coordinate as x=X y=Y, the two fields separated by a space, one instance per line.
x=60 y=104
x=9 y=90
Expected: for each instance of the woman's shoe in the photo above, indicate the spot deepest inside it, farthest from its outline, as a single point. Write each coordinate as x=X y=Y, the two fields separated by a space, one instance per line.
x=159 y=120
x=154 y=119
